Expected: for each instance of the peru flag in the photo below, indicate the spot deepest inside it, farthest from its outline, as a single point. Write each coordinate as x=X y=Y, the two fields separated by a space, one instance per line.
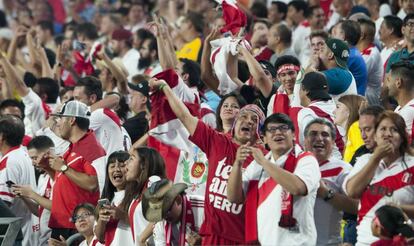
x=169 y=136
x=234 y=17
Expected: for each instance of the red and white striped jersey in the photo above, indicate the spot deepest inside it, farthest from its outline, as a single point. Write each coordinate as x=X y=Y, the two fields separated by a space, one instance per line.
x=394 y=184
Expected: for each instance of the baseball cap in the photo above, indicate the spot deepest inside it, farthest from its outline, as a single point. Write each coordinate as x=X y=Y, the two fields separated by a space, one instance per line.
x=142 y=87
x=121 y=34
x=317 y=85
x=269 y=67
x=74 y=109
x=340 y=50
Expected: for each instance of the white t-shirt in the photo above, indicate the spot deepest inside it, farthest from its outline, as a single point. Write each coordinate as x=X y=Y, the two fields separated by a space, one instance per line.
x=269 y=211
x=389 y=184
x=407 y=112
x=44 y=188
x=197 y=209
x=122 y=235
x=385 y=54
x=16 y=166
x=375 y=68
x=301 y=43
x=138 y=223
x=34 y=111
x=327 y=218
x=107 y=127
x=130 y=61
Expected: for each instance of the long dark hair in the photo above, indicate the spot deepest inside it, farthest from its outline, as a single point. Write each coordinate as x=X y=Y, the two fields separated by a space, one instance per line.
x=240 y=100
x=393 y=222
x=151 y=163
x=109 y=189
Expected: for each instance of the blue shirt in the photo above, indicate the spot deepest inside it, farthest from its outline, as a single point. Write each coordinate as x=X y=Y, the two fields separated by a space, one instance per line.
x=358 y=68
x=213 y=100
x=398 y=56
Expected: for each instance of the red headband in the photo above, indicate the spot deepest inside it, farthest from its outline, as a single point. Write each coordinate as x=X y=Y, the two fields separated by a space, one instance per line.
x=287 y=67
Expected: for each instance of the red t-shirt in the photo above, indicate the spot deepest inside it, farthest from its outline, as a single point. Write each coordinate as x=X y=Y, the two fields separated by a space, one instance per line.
x=88 y=147
x=221 y=218
x=66 y=195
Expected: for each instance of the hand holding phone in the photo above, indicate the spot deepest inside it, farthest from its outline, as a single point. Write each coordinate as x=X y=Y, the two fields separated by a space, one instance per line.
x=103 y=202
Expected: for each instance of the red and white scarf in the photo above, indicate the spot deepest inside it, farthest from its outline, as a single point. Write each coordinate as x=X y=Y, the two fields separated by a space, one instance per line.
x=187 y=219
x=254 y=198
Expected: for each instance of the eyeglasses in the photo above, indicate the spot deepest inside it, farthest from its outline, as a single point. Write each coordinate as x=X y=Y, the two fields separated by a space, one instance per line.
x=81 y=216
x=409 y=24
x=281 y=128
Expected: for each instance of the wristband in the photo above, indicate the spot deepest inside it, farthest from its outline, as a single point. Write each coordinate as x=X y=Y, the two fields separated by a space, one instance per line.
x=330 y=195
x=162 y=86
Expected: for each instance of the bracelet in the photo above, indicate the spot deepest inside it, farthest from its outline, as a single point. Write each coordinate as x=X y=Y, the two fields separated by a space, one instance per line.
x=162 y=86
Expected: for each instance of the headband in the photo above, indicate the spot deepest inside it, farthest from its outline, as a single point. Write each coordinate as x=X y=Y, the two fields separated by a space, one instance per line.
x=287 y=67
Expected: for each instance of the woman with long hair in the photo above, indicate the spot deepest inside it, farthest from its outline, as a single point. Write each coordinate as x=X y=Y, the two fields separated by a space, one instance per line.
x=227 y=110
x=346 y=118
x=112 y=226
x=383 y=177
x=143 y=163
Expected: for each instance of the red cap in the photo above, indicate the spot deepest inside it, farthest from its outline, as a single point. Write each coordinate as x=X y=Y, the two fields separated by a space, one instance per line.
x=121 y=34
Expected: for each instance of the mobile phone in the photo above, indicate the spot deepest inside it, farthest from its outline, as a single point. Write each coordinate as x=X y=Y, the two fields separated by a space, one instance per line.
x=9 y=183
x=103 y=202
x=79 y=46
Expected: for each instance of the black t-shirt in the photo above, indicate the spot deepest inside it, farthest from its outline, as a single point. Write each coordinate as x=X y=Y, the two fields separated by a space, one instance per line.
x=136 y=126
x=255 y=96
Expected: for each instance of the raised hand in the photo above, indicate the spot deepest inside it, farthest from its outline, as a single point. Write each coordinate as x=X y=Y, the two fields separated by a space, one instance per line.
x=242 y=153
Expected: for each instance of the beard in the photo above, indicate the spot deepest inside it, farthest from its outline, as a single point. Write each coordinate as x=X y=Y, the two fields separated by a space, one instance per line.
x=144 y=62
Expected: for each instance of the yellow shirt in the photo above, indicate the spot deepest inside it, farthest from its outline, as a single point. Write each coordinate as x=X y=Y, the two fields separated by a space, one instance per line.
x=354 y=141
x=190 y=50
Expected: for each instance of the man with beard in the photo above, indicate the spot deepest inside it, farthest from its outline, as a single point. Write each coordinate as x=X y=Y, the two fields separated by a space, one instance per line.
x=331 y=201
x=75 y=180
x=121 y=45
x=148 y=63
x=333 y=56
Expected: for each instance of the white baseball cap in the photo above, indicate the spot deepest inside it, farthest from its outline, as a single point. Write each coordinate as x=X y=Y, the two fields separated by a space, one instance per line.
x=74 y=109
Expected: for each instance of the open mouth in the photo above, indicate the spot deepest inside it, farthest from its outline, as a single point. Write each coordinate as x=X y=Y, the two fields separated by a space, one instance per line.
x=118 y=176
x=278 y=139
x=245 y=129
x=318 y=146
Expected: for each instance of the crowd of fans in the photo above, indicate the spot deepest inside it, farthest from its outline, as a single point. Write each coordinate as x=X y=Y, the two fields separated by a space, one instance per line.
x=202 y=122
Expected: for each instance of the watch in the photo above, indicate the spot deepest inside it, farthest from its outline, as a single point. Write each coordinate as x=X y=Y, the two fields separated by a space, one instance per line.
x=64 y=168
x=330 y=195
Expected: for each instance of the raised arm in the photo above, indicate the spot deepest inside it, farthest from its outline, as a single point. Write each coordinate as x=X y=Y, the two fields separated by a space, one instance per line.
x=178 y=107
x=235 y=182
x=207 y=75
x=121 y=80
x=12 y=76
x=110 y=101
x=289 y=181
x=166 y=55
x=262 y=82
